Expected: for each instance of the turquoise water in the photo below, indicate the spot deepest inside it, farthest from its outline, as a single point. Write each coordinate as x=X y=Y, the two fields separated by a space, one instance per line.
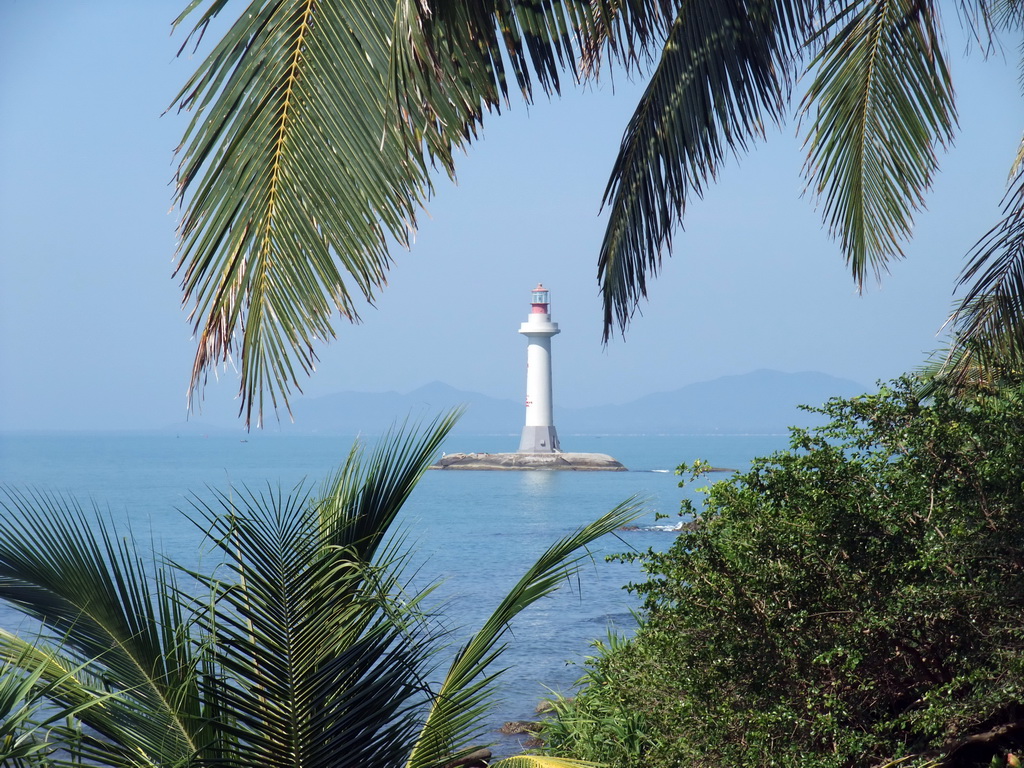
x=477 y=531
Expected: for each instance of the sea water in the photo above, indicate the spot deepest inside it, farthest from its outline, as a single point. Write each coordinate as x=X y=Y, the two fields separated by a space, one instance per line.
x=476 y=532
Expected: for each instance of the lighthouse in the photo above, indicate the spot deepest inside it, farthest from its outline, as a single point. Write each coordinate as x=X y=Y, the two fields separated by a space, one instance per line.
x=538 y=447
x=539 y=435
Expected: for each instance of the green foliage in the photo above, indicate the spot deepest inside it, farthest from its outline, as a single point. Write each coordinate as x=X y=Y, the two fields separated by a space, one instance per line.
x=307 y=645
x=853 y=600
x=31 y=729
x=601 y=724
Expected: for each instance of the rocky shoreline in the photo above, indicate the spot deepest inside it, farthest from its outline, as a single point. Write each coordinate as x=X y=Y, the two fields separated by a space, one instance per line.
x=571 y=462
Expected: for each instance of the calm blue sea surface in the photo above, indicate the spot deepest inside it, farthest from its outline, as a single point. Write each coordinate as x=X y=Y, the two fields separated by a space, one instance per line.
x=477 y=531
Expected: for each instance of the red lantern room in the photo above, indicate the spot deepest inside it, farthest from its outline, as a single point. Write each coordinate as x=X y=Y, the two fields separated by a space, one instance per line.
x=539 y=300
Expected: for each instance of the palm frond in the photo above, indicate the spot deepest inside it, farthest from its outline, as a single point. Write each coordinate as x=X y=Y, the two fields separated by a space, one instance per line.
x=20 y=701
x=319 y=643
x=1009 y=14
x=359 y=503
x=39 y=692
x=112 y=617
x=726 y=69
x=311 y=668
x=465 y=692
x=1018 y=160
x=630 y=32
x=995 y=15
x=988 y=324
x=450 y=60
x=881 y=103
x=292 y=182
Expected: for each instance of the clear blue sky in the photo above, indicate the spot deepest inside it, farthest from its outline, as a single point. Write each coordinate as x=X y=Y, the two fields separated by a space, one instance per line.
x=92 y=334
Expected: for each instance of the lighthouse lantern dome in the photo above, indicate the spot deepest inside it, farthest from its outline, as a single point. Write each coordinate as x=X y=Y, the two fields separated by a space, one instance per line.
x=539 y=300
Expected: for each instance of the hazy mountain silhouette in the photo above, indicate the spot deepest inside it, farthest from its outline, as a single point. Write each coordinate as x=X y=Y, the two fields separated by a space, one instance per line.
x=760 y=402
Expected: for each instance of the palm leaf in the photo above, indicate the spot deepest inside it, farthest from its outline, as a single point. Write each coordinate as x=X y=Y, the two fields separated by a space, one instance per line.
x=293 y=182
x=450 y=60
x=359 y=503
x=31 y=680
x=725 y=69
x=464 y=695
x=111 y=616
x=320 y=646
x=988 y=324
x=882 y=101
x=311 y=669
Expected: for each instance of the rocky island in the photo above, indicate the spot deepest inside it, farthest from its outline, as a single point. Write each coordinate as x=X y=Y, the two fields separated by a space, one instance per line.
x=570 y=462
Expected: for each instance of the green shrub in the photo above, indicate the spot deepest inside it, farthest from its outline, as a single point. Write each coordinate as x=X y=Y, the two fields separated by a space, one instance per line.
x=854 y=600
x=599 y=724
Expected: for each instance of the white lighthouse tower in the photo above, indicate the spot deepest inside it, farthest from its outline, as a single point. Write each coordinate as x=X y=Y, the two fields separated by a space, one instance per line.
x=538 y=448
x=539 y=435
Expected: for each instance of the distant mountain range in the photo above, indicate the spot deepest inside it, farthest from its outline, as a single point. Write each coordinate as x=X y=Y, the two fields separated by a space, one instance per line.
x=760 y=402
